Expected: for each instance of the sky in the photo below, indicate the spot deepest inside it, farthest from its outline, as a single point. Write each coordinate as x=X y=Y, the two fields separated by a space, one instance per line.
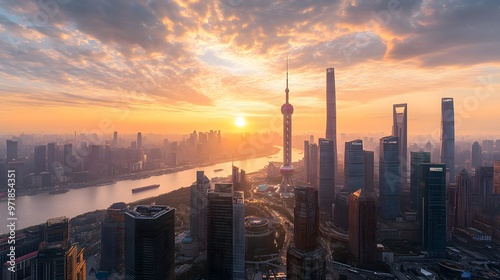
x=174 y=66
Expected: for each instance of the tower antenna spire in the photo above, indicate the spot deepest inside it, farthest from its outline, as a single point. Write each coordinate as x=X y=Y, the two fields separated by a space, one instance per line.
x=287 y=90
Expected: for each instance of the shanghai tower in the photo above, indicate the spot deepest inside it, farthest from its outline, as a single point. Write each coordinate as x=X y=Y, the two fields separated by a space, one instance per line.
x=448 y=135
x=287 y=170
x=331 y=115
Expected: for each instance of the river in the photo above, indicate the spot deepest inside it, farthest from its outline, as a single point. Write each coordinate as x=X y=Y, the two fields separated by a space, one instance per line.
x=36 y=209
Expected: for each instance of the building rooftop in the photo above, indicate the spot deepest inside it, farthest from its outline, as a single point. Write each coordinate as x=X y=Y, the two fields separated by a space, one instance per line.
x=149 y=211
x=58 y=220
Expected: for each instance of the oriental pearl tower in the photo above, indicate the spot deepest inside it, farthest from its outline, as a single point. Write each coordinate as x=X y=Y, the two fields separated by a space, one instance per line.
x=287 y=170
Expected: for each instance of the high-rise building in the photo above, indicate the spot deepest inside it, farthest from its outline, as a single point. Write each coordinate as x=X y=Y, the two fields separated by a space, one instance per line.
x=198 y=209
x=363 y=227
x=464 y=188
x=476 y=155
x=369 y=160
x=307 y=162
x=57 y=263
x=287 y=170
x=496 y=177
x=488 y=146
x=3 y=176
x=76 y=267
x=331 y=115
x=326 y=177
x=448 y=134
x=20 y=170
x=354 y=166
x=235 y=178
x=51 y=157
x=389 y=179
x=40 y=159
x=115 y=139
x=484 y=184
x=68 y=161
x=11 y=150
x=238 y=236
x=25 y=265
x=340 y=210
x=313 y=165
x=400 y=129
x=433 y=186
x=305 y=257
x=57 y=230
x=225 y=233
x=451 y=212
x=150 y=243
x=57 y=259
x=113 y=238
x=139 y=140
x=416 y=159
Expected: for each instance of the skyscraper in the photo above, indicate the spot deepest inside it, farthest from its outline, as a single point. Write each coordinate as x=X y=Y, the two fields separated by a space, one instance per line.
x=451 y=211
x=363 y=227
x=488 y=146
x=369 y=170
x=400 y=129
x=326 y=177
x=51 y=157
x=464 y=188
x=57 y=259
x=433 y=186
x=416 y=159
x=313 y=165
x=149 y=243
x=340 y=210
x=476 y=155
x=389 y=179
x=235 y=178
x=139 y=140
x=496 y=177
x=198 y=209
x=76 y=267
x=68 y=162
x=225 y=233
x=331 y=115
x=287 y=170
x=448 y=135
x=11 y=150
x=113 y=238
x=305 y=258
x=484 y=183
x=307 y=162
x=40 y=159
x=354 y=166
x=238 y=236
x=115 y=139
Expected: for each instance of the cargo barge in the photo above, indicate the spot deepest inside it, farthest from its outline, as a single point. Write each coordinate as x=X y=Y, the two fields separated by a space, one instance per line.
x=145 y=188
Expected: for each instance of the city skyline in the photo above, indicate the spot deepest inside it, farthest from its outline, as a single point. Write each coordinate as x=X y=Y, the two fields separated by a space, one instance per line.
x=177 y=66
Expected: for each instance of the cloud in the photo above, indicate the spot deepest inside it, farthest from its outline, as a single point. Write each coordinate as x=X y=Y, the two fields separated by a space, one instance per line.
x=206 y=55
x=452 y=33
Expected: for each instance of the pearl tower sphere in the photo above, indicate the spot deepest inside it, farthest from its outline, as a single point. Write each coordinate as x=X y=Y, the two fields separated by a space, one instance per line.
x=287 y=170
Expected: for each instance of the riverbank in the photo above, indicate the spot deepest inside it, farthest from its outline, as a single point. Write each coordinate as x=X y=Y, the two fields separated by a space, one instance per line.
x=145 y=174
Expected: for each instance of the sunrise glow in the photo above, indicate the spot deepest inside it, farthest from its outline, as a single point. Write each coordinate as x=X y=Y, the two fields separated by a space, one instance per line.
x=181 y=65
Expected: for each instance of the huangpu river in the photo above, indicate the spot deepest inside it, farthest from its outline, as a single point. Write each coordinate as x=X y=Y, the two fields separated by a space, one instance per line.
x=36 y=209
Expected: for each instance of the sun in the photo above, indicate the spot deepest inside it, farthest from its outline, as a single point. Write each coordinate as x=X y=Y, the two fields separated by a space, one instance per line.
x=240 y=122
